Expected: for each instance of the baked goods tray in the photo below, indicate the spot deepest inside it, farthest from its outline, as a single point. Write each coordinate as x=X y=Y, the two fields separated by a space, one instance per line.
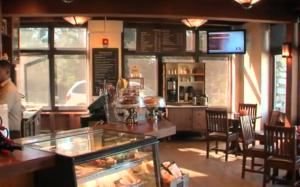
x=114 y=169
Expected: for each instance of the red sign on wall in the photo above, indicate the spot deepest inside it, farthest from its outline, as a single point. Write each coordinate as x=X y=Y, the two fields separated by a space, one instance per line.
x=105 y=42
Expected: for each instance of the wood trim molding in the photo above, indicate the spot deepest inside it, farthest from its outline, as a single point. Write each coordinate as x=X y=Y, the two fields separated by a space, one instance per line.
x=265 y=11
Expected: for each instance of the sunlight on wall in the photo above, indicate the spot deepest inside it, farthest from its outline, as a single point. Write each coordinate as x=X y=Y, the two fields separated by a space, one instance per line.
x=251 y=86
x=233 y=83
x=256 y=68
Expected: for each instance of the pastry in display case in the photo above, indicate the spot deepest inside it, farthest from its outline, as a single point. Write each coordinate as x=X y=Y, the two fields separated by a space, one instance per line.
x=100 y=158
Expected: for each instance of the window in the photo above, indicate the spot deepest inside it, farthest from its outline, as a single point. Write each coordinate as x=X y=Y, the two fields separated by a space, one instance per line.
x=190 y=41
x=130 y=39
x=203 y=41
x=35 y=88
x=70 y=38
x=279 y=84
x=147 y=65
x=217 y=82
x=70 y=70
x=34 y=38
x=53 y=66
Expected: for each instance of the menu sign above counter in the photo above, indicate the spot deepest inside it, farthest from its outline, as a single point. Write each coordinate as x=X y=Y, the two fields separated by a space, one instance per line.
x=105 y=67
x=161 y=40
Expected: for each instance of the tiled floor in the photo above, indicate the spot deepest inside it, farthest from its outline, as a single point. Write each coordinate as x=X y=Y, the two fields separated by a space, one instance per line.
x=190 y=155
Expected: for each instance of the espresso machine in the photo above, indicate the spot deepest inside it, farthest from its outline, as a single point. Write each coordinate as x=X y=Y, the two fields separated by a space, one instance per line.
x=172 y=89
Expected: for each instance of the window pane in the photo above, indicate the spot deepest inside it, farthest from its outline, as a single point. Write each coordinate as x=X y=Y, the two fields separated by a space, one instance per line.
x=70 y=80
x=148 y=68
x=33 y=79
x=203 y=41
x=279 y=84
x=130 y=39
x=190 y=41
x=34 y=38
x=70 y=38
x=217 y=82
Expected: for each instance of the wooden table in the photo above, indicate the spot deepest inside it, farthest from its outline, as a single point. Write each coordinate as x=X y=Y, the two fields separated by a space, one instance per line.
x=161 y=129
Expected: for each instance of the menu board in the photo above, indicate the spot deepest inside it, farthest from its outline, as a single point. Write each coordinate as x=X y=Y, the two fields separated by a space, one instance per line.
x=161 y=40
x=173 y=40
x=105 y=67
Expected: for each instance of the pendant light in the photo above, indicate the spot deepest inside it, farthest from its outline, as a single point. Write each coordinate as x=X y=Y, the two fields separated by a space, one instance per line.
x=247 y=4
x=194 y=22
x=76 y=20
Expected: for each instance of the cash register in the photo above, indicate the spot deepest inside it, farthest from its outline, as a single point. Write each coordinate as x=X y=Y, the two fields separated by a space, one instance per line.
x=97 y=112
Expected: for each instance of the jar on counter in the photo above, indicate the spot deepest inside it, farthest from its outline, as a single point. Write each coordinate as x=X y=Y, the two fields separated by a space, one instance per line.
x=194 y=101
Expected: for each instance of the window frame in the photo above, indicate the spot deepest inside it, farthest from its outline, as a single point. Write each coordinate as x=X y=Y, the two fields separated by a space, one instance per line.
x=51 y=52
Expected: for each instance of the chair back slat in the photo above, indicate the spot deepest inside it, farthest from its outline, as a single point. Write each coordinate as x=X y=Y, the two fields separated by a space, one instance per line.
x=216 y=121
x=280 y=142
x=247 y=131
x=251 y=110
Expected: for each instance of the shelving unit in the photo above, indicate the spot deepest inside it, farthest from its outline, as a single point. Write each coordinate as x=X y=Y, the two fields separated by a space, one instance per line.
x=187 y=75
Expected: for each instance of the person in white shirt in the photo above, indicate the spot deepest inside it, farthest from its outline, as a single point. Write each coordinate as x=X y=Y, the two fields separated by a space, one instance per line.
x=9 y=95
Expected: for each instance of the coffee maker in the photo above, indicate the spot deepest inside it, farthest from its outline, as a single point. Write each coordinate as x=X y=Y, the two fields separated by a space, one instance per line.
x=172 y=90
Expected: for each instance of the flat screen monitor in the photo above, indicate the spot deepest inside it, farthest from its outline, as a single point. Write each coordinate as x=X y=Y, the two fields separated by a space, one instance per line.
x=226 y=42
x=97 y=105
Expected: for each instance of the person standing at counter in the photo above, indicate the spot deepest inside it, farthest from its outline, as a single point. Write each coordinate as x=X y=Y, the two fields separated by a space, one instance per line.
x=9 y=95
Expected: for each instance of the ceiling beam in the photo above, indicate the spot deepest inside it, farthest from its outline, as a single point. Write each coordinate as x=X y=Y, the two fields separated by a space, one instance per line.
x=264 y=11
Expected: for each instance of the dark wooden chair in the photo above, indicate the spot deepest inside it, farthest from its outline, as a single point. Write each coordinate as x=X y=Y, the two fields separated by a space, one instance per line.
x=251 y=111
x=275 y=119
x=280 y=149
x=250 y=149
x=218 y=130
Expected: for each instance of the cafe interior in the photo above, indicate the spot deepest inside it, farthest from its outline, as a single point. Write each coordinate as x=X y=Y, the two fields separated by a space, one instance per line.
x=127 y=93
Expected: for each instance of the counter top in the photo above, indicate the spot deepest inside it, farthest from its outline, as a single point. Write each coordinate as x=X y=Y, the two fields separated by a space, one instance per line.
x=25 y=161
x=185 y=106
x=161 y=129
x=30 y=112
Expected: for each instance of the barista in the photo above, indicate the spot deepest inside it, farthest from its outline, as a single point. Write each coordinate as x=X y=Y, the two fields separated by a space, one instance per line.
x=9 y=95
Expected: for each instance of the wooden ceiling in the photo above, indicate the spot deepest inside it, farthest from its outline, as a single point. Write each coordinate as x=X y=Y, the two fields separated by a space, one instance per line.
x=169 y=21
x=219 y=10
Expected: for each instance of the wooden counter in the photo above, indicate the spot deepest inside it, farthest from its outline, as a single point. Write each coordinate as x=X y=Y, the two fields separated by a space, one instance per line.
x=186 y=106
x=187 y=117
x=16 y=169
x=161 y=129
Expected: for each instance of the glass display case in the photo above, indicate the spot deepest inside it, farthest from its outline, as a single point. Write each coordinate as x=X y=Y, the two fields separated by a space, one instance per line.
x=100 y=158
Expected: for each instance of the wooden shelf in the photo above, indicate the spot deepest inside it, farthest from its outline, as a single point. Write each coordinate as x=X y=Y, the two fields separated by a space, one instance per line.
x=192 y=82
